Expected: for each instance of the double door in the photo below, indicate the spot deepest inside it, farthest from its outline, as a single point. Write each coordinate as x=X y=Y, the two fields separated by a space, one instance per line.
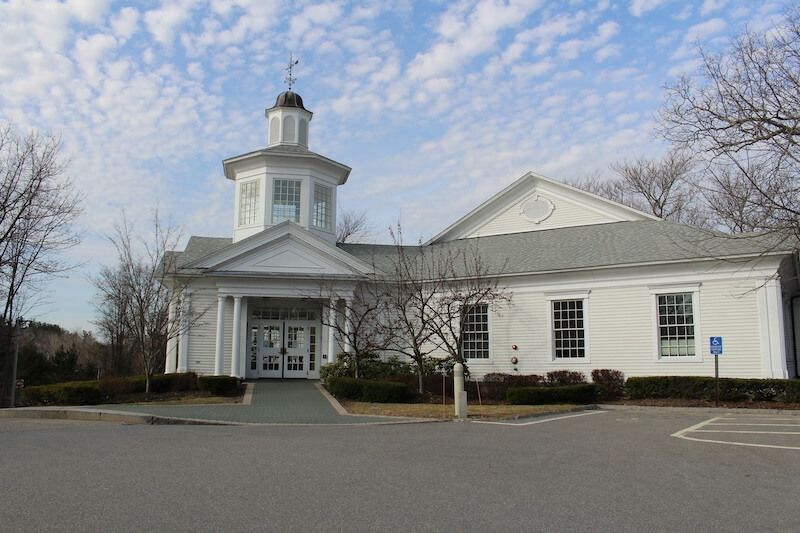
x=282 y=349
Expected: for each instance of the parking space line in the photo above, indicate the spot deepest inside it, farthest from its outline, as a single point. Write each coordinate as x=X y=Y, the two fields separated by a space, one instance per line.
x=746 y=431
x=697 y=428
x=542 y=421
x=750 y=424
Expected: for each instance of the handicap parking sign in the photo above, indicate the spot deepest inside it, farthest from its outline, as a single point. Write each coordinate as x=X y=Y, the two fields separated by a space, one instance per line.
x=716 y=345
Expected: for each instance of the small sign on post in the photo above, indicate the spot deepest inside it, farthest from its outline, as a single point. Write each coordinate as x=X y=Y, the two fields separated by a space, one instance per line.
x=715 y=347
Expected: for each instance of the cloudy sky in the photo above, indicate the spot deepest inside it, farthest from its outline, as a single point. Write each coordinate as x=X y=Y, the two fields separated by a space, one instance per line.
x=435 y=105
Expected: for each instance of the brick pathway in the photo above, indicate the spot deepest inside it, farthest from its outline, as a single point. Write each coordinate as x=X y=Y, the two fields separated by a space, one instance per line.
x=274 y=401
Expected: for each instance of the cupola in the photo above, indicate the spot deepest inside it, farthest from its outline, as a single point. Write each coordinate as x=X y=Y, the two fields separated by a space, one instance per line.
x=287 y=121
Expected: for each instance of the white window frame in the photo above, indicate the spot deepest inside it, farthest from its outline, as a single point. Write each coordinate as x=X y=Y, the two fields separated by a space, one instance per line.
x=474 y=360
x=299 y=183
x=255 y=206
x=583 y=295
x=694 y=290
x=328 y=226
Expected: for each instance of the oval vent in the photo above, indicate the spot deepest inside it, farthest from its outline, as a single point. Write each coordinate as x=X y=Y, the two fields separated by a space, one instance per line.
x=537 y=209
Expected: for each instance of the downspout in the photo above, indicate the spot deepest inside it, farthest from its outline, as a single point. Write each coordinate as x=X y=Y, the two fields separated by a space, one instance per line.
x=795 y=332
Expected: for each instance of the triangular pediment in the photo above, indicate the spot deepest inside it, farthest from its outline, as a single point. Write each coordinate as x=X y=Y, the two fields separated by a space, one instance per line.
x=286 y=249
x=534 y=203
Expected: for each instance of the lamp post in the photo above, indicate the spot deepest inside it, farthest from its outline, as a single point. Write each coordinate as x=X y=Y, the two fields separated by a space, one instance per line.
x=18 y=325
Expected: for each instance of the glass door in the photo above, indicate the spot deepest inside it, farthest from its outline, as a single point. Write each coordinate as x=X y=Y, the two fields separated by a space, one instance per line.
x=296 y=358
x=270 y=348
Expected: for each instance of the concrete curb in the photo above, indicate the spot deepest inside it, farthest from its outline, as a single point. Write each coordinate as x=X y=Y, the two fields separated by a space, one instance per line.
x=698 y=410
x=129 y=417
x=101 y=415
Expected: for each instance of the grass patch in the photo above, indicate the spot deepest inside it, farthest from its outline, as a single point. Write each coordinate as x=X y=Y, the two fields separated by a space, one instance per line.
x=431 y=410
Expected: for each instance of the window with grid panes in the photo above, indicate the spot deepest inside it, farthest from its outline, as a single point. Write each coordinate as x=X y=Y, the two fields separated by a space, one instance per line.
x=321 y=216
x=569 y=338
x=676 y=325
x=248 y=203
x=475 y=335
x=285 y=200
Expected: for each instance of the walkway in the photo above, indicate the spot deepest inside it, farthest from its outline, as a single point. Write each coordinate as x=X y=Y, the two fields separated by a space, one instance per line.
x=274 y=402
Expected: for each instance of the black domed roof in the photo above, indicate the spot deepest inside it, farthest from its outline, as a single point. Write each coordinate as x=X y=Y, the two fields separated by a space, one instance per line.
x=289 y=99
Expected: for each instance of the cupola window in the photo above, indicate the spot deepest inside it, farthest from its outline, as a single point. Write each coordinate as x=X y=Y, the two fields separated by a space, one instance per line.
x=321 y=216
x=248 y=202
x=285 y=200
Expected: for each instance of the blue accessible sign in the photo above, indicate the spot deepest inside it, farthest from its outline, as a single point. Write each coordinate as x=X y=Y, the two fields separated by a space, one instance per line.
x=715 y=344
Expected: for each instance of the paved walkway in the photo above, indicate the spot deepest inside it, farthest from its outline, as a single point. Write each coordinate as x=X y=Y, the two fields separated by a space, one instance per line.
x=274 y=402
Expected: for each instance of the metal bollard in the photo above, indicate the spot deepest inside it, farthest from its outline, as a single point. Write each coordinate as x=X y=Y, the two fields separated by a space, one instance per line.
x=459 y=394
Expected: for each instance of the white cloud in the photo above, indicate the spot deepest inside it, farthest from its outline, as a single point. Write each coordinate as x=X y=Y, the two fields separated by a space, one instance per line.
x=698 y=33
x=125 y=23
x=640 y=7
x=465 y=36
x=165 y=21
x=712 y=5
x=604 y=52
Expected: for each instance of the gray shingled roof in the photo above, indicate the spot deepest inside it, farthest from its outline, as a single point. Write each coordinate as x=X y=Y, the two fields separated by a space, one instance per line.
x=599 y=245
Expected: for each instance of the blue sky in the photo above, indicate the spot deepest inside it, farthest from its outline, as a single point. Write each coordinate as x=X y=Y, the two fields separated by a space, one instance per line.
x=435 y=105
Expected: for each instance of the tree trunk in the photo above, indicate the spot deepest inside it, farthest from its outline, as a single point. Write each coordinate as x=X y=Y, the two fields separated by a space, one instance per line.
x=147 y=383
x=421 y=381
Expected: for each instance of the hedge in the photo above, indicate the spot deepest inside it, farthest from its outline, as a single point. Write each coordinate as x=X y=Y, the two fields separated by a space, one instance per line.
x=68 y=393
x=220 y=385
x=582 y=394
x=115 y=389
x=610 y=383
x=368 y=390
x=703 y=388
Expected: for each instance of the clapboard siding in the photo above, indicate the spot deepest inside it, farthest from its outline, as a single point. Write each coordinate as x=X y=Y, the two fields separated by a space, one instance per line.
x=564 y=214
x=621 y=333
x=202 y=336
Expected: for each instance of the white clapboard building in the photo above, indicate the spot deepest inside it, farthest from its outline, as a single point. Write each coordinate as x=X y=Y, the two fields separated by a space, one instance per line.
x=594 y=284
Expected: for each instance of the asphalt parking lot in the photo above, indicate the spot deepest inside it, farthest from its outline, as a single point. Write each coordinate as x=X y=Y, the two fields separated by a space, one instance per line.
x=606 y=471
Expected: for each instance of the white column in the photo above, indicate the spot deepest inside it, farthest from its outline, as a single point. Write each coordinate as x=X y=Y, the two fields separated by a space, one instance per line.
x=348 y=318
x=219 y=361
x=172 y=341
x=773 y=335
x=332 y=332
x=183 y=343
x=235 y=337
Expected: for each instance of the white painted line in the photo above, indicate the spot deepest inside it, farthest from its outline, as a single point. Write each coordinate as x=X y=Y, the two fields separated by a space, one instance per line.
x=745 y=431
x=751 y=424
x=681 y=433
x=739 y=443
x=517 y=424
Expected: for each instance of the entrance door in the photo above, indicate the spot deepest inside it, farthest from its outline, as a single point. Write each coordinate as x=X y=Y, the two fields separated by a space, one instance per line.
x=282 y=349
x=296 y=349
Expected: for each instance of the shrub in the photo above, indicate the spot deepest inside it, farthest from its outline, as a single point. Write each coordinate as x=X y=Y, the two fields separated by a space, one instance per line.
x=495 y=385
x=345 y=388
x=68 y=393
x=220 y=385
x=173 y=382
x=385 y=392
x=703 y=388
x=610 y=383
x=565 y=377
x=582 y=394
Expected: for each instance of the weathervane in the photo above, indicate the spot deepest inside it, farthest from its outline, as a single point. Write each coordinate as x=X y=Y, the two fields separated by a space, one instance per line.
x=289 y=79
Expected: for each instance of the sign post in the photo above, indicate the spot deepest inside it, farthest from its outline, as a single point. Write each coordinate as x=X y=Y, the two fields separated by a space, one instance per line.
x=715 y=347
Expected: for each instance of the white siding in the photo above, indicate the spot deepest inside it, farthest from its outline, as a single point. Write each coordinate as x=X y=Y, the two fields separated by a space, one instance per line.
x=565 y=214
x=621 y=333
x=202 y=337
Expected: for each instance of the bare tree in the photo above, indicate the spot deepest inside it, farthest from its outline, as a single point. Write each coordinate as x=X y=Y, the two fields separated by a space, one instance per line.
x=38 y=210
x=741 y=114
x=411 y=288
x=735 y=203
x=358 y=325
x=111 y=309
x=140 y=290
x=467 y=284
x=352 y=226
x=663 y=186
